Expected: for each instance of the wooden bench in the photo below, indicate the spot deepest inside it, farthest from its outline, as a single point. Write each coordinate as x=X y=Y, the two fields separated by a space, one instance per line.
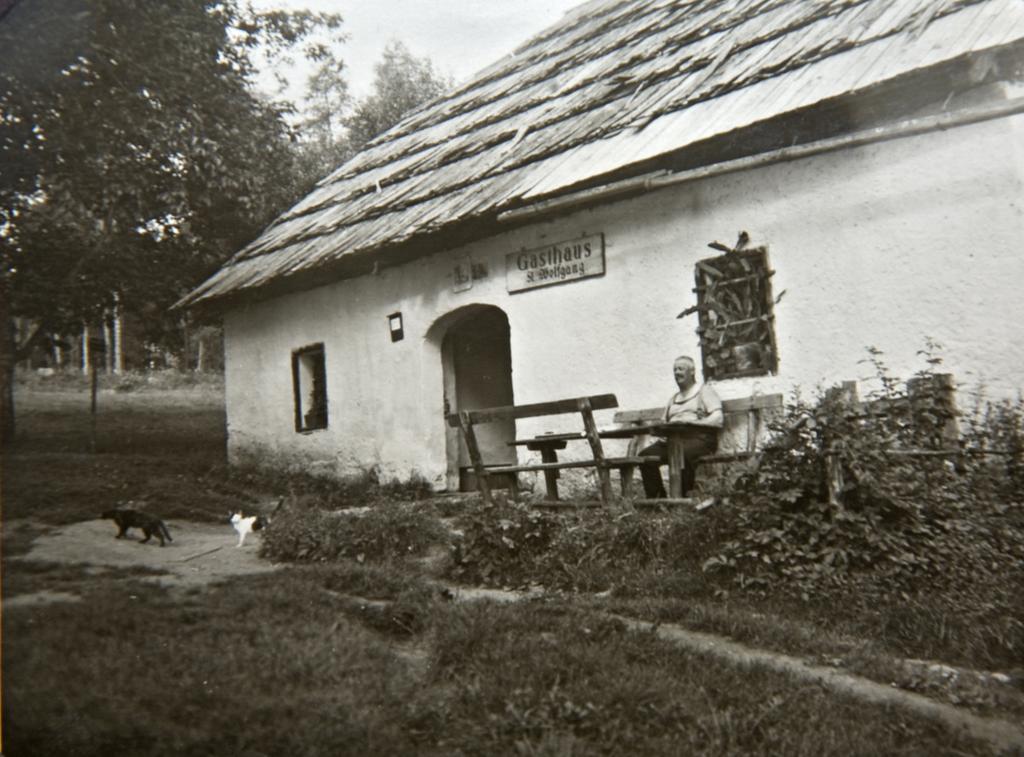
x=746 y=416
x=547 y=444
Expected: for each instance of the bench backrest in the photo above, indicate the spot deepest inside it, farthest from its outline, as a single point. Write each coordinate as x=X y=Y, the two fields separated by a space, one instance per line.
x=740 y=405
x=466 y=419
x=743 y=418
x=537 y=409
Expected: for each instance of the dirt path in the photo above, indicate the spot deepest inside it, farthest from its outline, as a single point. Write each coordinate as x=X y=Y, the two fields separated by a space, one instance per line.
x=201 y=553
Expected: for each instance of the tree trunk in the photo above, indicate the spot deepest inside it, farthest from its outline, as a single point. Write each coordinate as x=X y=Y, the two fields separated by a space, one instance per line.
x=201 y=356
x=92 y=407
x=86 y=352
x=11 y=351
x=118 y=338
x=58 y=352
x=108 y=347
x=8 y=359
x=186 y=347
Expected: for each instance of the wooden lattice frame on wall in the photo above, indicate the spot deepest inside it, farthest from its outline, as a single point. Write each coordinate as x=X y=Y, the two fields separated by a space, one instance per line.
x=735 y=310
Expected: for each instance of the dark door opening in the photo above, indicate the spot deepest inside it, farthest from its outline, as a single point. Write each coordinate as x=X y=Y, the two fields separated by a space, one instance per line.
x=478 y=373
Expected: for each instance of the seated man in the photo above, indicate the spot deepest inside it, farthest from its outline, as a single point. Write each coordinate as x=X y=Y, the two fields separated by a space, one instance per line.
x=693 y=404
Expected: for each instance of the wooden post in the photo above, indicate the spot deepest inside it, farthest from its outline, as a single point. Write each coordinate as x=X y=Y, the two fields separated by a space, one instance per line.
x=846 y=394
x=466 y=424
x=833 y=477
x=603 y=474
x=626 y=480
x=549 y=454
x=941 y=389
x=676 y=461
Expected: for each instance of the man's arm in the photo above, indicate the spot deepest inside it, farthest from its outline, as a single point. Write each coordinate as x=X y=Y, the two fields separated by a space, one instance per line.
x=710 y=411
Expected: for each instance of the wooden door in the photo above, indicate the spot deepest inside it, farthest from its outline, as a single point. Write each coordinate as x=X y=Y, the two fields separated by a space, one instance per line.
x=479 y=363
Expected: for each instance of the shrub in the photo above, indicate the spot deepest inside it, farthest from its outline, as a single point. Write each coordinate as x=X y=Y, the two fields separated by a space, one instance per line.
x=513 y=545
x=993 y=441
x=900 y=526
x=380 y=534
x=501 y=543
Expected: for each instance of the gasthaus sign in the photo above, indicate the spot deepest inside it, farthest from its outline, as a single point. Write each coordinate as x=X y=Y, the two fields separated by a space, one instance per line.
x=555 y=263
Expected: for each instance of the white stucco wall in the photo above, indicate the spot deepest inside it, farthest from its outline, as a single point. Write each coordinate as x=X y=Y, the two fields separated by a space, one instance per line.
x=884 y=245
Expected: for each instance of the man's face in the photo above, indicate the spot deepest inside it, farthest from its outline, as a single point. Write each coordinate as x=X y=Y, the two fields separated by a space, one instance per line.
x=684 y=373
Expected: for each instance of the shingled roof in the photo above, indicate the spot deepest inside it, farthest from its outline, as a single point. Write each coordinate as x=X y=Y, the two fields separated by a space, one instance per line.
x=607 y=90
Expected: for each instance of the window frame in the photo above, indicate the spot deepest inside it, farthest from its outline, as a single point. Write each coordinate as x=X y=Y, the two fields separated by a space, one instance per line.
x=304 y=384
x=741 y=279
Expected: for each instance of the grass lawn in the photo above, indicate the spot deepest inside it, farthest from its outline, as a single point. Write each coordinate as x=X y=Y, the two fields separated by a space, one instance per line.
x=367 y=656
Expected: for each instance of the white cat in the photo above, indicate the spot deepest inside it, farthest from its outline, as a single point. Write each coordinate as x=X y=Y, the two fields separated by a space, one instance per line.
x=244 y=524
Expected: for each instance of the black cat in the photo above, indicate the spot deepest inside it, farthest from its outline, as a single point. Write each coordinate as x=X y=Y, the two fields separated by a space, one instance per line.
x=150 y=525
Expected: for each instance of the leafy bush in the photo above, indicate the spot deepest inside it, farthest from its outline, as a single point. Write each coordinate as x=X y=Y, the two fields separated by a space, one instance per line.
x=513 y=545
x=380 y=534
x=993 y=440
x=501 y=544
x=909 y=518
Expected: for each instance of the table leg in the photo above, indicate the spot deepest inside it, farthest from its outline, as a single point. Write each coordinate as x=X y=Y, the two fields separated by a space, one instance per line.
x=548 y=455
x=676 y=461
x=626 y=479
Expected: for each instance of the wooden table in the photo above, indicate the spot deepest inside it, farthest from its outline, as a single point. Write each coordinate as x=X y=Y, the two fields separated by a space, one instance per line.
x=548 y=446
x=674 y=434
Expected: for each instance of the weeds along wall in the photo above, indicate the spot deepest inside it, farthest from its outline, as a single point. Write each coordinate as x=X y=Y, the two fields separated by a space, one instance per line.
x=887 y=245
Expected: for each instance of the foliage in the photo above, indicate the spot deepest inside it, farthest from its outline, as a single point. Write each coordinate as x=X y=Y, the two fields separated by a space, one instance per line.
x=900 y=524
x=129 y=382
x=502 y=542
x=402 y=82
x=380 y=534
x=134 y=149
x=324 y=145
x=514 y=545
x=993 y=439
x=128 y=132
x=336 y=127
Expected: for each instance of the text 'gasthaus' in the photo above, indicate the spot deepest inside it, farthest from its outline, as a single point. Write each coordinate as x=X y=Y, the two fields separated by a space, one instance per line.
x=562 y=261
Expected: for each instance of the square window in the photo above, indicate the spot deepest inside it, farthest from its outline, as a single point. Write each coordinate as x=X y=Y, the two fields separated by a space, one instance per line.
x=736 y=321
x=395 y=327
x=309 y=385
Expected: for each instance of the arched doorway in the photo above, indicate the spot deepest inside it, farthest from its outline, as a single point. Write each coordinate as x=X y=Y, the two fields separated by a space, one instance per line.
x=477 y=361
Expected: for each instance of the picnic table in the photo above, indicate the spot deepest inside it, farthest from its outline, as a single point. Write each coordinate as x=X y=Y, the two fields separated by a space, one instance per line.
x=674 y=435
x=547 y=444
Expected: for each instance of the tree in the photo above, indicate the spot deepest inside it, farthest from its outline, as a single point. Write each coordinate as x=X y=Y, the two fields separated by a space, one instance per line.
x=334 y=129
x=401 y=83
x=136 y=154
x=324 y=143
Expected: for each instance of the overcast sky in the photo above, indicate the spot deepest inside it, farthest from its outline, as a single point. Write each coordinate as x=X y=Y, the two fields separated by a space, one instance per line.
x=459 y=36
